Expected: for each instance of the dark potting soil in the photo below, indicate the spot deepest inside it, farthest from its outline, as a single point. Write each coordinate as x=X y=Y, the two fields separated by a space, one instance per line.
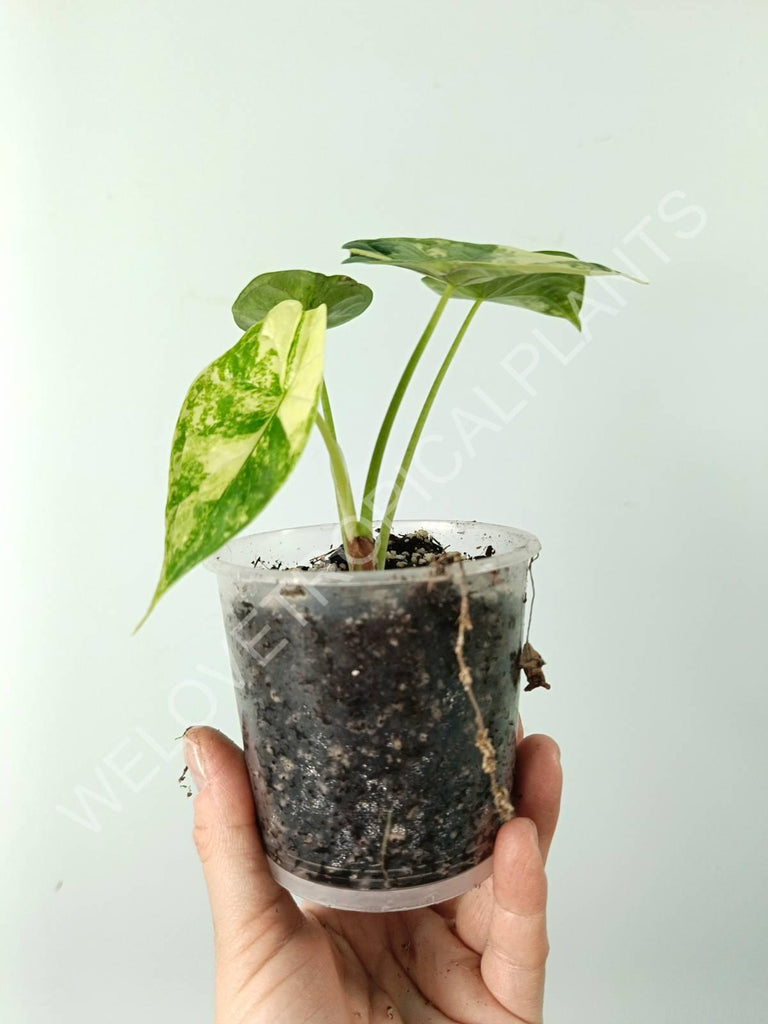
x=359 y=736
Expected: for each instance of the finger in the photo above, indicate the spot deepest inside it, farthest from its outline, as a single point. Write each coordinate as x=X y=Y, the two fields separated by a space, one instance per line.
x=250 y=910
x=538 y=785
x=512 y=963
x=519 y=730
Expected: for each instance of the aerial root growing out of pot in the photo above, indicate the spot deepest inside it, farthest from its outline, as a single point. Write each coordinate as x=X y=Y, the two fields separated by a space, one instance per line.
x=483 y=743
x=531 y=662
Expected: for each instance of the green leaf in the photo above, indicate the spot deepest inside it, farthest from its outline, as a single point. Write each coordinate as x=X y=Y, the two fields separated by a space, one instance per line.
x=242 y=427
x=466 y=263
x=344 y=298
x=553 y=294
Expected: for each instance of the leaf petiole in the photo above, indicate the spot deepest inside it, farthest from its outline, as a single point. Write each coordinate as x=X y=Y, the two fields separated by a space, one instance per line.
x=325 y=401
x=405 y=465
x=345 y=501
x=374 y=469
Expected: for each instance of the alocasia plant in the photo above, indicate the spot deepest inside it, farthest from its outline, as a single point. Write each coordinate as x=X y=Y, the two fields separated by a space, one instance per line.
x=247 y=417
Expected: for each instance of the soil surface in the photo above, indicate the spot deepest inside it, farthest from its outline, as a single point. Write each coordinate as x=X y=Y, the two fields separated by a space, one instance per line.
x=406 y=551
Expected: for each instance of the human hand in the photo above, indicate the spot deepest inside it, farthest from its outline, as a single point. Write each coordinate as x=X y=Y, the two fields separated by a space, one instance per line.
x=478 y=959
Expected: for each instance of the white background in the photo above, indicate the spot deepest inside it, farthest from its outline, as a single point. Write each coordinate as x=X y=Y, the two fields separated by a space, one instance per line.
x=156 y=157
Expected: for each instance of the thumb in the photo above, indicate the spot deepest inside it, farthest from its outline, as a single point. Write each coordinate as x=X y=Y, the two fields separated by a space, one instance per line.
x=250 y=910
x=514 y=958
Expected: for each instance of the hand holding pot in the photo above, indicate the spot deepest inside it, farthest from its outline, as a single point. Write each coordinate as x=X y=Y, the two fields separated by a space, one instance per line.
x=476 y=960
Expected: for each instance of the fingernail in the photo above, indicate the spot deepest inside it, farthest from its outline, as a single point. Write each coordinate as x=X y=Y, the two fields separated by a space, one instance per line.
x=194 y=759
x=558 y=753
x=532 y=828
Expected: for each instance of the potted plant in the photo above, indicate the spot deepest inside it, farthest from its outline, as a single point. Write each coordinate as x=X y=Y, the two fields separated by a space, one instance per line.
x=376 y=664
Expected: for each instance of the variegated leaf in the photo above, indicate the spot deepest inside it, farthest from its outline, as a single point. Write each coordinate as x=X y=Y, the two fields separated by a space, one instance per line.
x=242 y=427
x=553 y=294
x=343 y=298
x=466 y=263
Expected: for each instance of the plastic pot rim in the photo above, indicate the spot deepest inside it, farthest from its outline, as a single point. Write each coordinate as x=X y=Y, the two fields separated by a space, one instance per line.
x=224 y=562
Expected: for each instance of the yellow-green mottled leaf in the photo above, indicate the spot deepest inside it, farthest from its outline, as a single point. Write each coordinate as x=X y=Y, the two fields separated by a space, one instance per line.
x=343 y=297
x=242 y=427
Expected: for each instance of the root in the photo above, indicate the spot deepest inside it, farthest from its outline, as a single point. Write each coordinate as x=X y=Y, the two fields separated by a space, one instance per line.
x=532 y=664
x=504 y=807
x=384 y=845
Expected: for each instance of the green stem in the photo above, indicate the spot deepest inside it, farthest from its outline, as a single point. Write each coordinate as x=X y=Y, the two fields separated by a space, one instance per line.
x=325 y=401
x=374 y=469
x=345 y=501
x=405 y=465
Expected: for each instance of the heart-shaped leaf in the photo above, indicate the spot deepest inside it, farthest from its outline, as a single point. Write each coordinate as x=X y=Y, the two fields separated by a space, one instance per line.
x=242 y=427
x=554 y=294
x=343 y=298
x=466 y=263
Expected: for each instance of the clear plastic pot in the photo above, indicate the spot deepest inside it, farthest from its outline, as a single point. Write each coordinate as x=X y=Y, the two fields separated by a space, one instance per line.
x=359 y=736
